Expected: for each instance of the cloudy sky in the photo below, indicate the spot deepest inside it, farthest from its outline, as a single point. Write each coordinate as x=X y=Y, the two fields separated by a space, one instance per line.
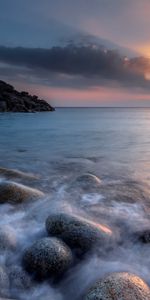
x=77 y=53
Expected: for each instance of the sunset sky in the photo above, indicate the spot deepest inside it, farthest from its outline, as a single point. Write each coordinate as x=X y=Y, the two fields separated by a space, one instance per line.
x=83 y=70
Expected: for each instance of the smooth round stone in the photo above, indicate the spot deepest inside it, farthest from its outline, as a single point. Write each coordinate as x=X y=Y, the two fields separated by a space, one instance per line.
x=86 y=181
x=48 y=257
x=8 y=239
x=4 y=283
x=77 y=232
x=15 y=193
x=119 y=286
x=19 y=279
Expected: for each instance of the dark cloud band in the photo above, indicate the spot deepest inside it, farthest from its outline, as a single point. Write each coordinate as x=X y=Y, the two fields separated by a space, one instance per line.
x=86 y=61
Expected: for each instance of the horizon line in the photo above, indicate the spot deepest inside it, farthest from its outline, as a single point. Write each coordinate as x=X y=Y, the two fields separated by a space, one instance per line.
x=102 y=106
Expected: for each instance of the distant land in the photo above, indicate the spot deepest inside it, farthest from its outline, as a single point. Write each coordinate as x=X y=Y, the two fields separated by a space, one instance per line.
x=14 y=101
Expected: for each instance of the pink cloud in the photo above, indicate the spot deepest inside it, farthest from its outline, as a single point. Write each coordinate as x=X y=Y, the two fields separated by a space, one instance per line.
x=97 y=96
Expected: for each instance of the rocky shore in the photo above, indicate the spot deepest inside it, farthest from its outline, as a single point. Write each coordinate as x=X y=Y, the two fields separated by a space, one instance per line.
x=14 y=101
x=66 y=240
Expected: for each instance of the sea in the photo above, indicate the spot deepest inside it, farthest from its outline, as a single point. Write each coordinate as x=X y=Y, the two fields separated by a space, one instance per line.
x=62 y=149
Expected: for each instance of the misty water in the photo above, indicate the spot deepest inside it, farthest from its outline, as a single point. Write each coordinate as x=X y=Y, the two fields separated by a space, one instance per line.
x=111 y=143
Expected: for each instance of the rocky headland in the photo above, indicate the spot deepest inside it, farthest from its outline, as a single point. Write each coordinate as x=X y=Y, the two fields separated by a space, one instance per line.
x=14 y=101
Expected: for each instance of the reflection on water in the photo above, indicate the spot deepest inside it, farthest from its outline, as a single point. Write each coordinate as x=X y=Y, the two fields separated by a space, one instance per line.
x=112 y=144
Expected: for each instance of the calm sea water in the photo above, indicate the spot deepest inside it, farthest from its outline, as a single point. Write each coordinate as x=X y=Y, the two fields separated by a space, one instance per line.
x=115 y=139
x=111 y=143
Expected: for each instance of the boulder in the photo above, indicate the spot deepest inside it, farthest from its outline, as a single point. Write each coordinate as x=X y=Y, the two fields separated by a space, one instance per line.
x=77 y=232
x=8 y=239
x=14 y=193
x=47 y=257
x=119 y=286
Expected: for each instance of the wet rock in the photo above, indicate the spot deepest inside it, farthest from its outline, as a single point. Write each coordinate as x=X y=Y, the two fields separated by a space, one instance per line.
x=11 y=173
x=8 y=239
x=19 y=279
x=4 y=283
x=119 y=286
x=86 y=182
x=77 y=232
x=48 y=257
x=14 y=193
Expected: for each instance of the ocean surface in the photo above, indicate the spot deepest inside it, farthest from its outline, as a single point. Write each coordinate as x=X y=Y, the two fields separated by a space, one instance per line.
x=111 y=143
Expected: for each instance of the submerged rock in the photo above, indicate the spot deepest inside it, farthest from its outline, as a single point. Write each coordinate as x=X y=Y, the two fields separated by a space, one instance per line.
x=48 y=257
x=14 y=193
x=11 y=173
x=14 y=101
x=8 y=240
x=4 y=283
x=119 y=286
x=86 y=182
x=77 y=232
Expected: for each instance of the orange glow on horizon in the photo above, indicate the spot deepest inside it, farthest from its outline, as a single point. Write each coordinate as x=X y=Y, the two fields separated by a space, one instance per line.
x=144 y=50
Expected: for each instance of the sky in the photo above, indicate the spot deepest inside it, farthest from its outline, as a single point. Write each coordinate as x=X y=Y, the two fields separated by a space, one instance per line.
x=77 y=53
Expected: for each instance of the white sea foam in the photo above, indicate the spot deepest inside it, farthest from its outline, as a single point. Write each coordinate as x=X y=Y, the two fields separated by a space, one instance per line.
x=91 y=199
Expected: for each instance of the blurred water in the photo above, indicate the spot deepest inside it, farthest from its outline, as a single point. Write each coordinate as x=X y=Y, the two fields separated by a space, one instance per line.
x=116 y=138
x=111 y=143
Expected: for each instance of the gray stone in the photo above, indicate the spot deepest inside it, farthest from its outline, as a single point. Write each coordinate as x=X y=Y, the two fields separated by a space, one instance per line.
x=48 y=257
x=77 y=232
x=14 y=193
x=119 y=286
